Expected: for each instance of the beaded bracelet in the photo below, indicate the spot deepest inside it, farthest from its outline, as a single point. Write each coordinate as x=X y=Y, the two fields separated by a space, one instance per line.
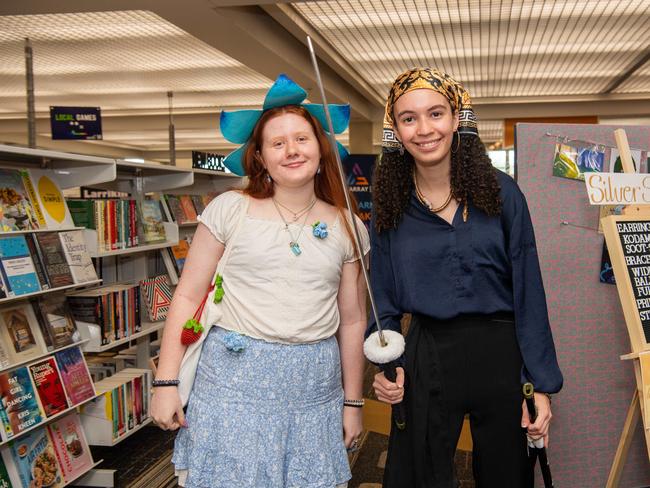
x=354 y=403
x=155 y=383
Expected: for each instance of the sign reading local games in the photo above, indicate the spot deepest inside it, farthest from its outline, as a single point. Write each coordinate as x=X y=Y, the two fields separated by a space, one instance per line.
x=76 y=122
x=618 y=188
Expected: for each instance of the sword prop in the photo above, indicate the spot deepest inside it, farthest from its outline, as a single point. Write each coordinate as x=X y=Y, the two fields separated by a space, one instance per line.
x=384 y=346
x=536 y=449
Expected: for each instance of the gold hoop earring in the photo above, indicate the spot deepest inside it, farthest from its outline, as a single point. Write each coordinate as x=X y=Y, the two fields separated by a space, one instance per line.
x=457 y=142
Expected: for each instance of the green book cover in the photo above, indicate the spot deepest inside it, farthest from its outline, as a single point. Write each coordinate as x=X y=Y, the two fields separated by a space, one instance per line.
x=83 y=213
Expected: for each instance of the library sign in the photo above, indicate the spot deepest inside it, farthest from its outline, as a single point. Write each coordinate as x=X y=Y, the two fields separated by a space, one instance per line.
x=618 y=188
x=76 y=122
x=211 y=161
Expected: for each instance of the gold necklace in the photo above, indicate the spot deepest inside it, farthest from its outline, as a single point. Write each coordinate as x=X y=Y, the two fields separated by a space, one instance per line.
x=299 y=213
x=426 y=202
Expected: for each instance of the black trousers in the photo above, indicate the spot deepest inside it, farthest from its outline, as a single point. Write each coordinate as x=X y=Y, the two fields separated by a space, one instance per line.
x=468 y=365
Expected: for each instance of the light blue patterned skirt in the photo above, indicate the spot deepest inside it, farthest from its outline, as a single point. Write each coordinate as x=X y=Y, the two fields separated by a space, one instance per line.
x=268 y=416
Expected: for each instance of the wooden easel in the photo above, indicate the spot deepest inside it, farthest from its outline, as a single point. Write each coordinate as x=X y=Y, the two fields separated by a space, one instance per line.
x=640 y=346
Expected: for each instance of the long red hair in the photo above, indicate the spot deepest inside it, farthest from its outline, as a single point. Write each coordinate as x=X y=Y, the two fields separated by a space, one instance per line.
x=327 y=183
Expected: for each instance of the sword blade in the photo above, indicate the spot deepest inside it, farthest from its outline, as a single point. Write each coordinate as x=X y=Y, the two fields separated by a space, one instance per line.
x=353 y=220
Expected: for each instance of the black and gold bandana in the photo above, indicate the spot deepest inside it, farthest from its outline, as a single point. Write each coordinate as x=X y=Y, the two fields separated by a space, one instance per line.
x=430 y=79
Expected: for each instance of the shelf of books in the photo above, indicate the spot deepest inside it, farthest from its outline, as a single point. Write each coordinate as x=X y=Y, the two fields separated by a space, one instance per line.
x=51 y=250
x=93 y=344
x=70 y=170
x=148 y=177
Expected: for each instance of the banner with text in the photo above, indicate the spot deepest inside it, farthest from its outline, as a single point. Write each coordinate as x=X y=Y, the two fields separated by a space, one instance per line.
x=76 y=122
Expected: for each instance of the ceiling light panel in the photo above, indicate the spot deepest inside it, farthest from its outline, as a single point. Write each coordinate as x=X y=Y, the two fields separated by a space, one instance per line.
x=496 y=48
x=114 y=59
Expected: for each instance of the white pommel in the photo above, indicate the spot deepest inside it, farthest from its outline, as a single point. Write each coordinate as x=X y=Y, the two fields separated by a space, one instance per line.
x=379 y=354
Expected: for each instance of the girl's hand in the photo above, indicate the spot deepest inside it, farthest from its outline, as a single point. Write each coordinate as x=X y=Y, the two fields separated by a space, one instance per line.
x=539 y=429
x=387 y=391
x=352 y=426
x=166 y=408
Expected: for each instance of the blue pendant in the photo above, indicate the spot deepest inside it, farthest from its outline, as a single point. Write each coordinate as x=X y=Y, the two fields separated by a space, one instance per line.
x=295 y=248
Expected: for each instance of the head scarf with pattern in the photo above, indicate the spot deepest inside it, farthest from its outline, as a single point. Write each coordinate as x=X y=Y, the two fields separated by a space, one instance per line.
x=429 y=79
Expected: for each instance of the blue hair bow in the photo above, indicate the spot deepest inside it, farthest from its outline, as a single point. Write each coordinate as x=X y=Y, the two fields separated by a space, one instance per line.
x=238 y=126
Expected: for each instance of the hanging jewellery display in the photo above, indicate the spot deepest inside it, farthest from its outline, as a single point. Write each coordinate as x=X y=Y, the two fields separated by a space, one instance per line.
x=293 y=244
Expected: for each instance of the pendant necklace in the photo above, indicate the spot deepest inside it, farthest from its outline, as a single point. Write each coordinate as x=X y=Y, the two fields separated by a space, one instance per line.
x=426 y=202
x=293 y=244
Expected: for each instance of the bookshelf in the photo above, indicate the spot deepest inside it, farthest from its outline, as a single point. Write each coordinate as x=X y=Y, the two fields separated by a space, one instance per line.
x=118 y=265
x=67 y=171
x=46 y=421
x=35 y=359
x=49 y=290
x=93 y=343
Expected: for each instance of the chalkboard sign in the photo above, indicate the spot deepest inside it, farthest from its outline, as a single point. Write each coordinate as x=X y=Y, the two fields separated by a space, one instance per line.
x=628 y=241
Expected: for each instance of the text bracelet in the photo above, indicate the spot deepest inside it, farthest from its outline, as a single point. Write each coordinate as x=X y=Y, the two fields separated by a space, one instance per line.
x=354 y=403
x=155 y=383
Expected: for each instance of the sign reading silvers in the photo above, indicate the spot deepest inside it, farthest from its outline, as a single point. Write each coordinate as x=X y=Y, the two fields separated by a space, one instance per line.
x=76 y=122
x=635 y=241
x=204 y=160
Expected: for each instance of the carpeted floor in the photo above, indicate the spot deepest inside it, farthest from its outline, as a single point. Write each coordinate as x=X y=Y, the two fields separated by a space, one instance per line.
x=368 y=467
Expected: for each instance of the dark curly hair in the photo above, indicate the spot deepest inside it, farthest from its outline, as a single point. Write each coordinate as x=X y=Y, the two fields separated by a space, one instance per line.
x=473 y=178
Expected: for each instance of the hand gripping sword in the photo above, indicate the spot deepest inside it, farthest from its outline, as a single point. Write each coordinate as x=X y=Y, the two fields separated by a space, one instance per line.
x=536 y=448
x=383 y=346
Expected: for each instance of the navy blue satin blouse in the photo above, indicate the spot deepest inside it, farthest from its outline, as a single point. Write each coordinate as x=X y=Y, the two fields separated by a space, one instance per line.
x=482 y=266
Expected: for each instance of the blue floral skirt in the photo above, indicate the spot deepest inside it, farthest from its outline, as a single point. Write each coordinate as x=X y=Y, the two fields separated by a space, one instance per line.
x=264 y=415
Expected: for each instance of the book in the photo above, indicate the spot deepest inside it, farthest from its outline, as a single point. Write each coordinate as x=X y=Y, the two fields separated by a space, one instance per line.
x=151 y=219
x=56 y=265
x=5 y=358
x=70 y=446
x=56 y=320
x=174 y=205
x=74 y=373
x=179 y=253
x=18 y=272
x=82 y=212
x=35 y=460
x=157 y=296
x=16 y=212
x=199 y=206
x=49 y=386
x=49 y=197
x=20 y=409
x=188 y=208
x=76 y=254
x=115 y=308
x=5 y=480
x=37 y=258
x=20 y=332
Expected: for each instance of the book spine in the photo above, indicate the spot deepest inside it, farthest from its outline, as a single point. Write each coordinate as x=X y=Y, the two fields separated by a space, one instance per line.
x=136 y=300
x=133 y=223
x=33 y=198
x=100 y=224
x=39 y=265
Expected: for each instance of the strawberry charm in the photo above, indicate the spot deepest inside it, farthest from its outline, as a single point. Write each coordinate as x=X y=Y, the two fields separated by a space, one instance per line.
x=192 y=330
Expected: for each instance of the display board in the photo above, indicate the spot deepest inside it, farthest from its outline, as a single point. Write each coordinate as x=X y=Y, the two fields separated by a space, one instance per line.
x=586 y=316
x=628 y=241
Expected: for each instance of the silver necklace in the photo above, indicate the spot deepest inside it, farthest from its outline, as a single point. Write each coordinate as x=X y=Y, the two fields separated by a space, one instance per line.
x=293 y=244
